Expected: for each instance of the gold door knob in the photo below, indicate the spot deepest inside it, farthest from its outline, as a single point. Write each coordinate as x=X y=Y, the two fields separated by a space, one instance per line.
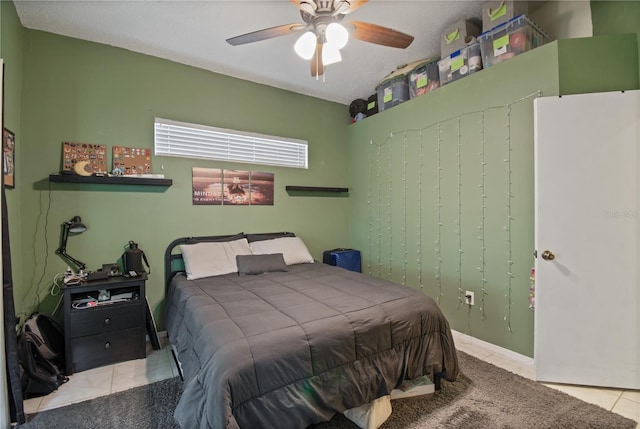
x=548 y=255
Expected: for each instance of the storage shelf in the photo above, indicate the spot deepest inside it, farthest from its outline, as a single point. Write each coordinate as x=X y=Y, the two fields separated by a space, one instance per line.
x=315 y=189
x=106 y=180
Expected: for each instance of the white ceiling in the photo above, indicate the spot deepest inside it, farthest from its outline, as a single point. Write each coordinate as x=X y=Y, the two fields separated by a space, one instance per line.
x=194 y=33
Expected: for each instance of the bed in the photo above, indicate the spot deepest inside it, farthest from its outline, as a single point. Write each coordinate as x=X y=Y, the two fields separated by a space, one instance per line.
x=285 y=342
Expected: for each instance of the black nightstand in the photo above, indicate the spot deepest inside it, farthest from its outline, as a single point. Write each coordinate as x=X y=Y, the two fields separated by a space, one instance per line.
x=106 y=332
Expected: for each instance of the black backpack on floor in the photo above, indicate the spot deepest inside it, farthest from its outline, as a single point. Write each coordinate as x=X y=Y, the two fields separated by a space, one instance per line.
x=41 y=356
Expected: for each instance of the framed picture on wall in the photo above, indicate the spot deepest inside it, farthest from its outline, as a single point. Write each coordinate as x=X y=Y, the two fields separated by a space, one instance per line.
x=8 y=157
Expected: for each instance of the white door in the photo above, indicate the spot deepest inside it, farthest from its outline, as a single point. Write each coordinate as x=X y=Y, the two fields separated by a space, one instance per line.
x=587 y=155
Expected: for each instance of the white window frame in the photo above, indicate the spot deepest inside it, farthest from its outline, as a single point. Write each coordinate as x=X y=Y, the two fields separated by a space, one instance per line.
x=182 y=139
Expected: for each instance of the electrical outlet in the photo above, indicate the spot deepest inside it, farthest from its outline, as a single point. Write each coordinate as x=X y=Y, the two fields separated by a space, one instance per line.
x=469 y=298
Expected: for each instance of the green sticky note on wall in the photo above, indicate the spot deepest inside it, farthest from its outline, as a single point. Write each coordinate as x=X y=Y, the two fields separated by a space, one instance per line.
x=457 y=63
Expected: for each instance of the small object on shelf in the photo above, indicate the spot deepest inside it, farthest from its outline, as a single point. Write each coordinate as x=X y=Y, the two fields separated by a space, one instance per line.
x=358 y=109
x=96 y=275
x=498 y=12
x=510 y=39
x=460 y=64
x=84 y=158
x=146 y=175
x=74 y=226
x=82 y=168
x=458 y=35
x=424 y=77
x=372 y=105
x=131 y=160
x=393 y=89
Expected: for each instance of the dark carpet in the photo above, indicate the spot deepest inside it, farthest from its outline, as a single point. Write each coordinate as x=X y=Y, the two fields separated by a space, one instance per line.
x=484 y=396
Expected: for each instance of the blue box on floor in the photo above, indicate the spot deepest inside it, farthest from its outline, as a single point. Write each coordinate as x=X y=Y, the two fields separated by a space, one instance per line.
x=344 y=258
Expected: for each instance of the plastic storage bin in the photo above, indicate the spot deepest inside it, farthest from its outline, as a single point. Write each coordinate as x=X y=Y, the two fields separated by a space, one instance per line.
x=348 y=259
x=393 y=89
x=460 y=64
x=457 y=35
x=372 y=105
x=510 y=39
x=496 y=12
x=424 y=77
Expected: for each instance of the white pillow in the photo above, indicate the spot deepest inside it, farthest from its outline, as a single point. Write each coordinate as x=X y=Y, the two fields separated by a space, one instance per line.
x=213 y=259
x=292 y=248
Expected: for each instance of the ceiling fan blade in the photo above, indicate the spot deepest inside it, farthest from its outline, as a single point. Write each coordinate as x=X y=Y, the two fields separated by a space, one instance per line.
x=317 y=67
x=267 y=33
x=377 y=34
x=353 y=5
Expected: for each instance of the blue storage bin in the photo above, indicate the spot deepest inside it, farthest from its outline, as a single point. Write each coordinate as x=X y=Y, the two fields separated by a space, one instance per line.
x=344 y=258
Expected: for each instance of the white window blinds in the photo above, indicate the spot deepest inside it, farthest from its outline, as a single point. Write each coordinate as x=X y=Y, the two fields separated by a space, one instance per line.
x=173 y=138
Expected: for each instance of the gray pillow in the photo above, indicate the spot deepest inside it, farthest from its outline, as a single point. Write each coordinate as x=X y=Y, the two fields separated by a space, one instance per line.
x=258 y=264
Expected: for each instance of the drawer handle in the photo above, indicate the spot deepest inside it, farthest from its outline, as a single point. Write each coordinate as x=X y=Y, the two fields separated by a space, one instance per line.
x=107 y=345
x=107 y=321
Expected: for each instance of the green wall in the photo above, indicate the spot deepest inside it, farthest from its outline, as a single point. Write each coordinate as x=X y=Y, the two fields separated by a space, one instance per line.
x=61 y=89
x=620 y=51
x=442 y=186
x=11 y=42
x=615 y=17
x=86 y=92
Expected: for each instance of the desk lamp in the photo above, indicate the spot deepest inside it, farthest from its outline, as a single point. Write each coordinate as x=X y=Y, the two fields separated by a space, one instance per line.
x=75 y=226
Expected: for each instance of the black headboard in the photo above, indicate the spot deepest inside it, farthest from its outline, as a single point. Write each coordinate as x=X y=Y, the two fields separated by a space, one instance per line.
x=173 y=263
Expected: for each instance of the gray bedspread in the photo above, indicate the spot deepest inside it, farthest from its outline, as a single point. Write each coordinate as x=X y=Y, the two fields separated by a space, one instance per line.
x=288 y=349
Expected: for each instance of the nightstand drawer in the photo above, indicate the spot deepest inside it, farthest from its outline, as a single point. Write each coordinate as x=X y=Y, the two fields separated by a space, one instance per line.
x=99 y=320
x=103 y=349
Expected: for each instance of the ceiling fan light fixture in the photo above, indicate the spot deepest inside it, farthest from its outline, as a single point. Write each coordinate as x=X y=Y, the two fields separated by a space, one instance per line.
x=330 y=54
x=340 y=6
x=308 y=7
x=305 y=47
x=337 y=35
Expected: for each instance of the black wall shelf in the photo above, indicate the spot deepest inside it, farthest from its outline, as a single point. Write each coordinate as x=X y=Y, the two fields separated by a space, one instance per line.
x=106 y=180
x=315 y=189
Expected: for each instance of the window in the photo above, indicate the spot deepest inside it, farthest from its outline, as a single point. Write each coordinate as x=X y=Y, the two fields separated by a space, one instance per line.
x=172 y=138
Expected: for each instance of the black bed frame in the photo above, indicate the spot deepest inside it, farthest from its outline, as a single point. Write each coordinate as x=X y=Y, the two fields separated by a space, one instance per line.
x=173 y=259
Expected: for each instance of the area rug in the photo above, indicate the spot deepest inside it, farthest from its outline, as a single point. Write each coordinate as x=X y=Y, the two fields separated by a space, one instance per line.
x=483 y=397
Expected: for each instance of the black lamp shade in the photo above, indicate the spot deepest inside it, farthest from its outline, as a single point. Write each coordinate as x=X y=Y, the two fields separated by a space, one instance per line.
x=76 y=225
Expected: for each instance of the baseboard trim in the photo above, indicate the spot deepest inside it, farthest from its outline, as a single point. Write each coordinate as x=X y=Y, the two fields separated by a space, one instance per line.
x=465 y=339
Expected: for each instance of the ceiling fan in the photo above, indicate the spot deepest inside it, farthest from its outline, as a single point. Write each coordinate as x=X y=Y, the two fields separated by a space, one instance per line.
x=324 y=35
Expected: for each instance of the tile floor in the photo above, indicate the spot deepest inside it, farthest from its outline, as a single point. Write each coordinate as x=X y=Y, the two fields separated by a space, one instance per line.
x=160 y=365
